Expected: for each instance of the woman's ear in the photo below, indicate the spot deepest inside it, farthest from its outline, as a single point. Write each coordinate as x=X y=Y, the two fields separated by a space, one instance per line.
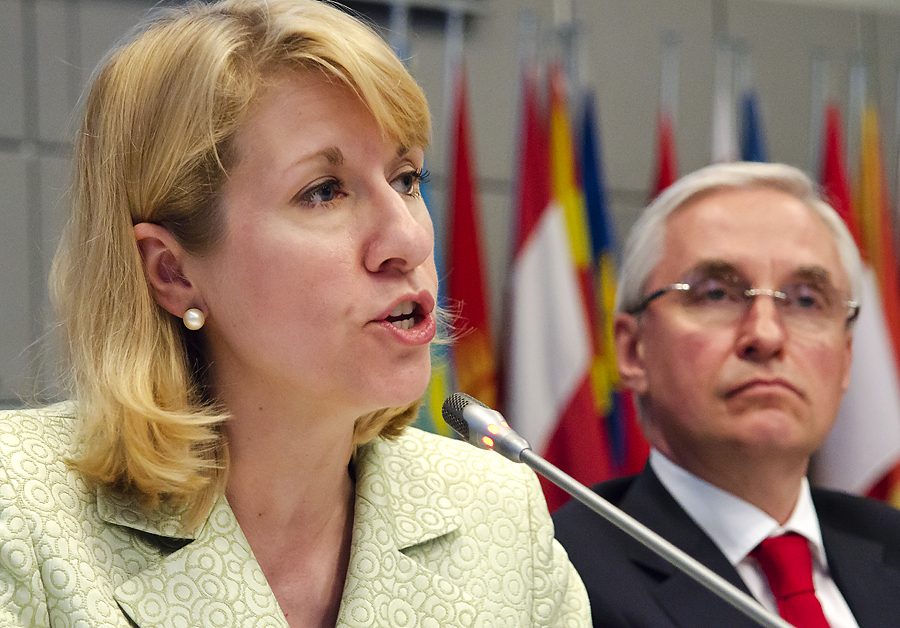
x=630 y=353
x=163 y=261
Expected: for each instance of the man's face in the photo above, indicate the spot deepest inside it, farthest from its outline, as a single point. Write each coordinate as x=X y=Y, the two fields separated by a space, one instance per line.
x=760 y=384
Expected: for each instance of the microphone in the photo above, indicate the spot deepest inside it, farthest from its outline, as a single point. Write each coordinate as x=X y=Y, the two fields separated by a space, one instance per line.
x=487 y=429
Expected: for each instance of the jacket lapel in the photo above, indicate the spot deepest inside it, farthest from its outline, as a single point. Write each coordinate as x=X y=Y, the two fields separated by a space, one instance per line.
x=399 y=511
x=686 y=601
x=868 y=583
x=214 y=580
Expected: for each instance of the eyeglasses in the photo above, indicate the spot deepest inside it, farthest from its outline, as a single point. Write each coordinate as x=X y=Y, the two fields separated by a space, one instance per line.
x=806 y=306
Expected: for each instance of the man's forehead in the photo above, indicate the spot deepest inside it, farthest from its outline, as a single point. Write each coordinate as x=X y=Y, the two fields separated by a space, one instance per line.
x=718 y=268
x=754 y=230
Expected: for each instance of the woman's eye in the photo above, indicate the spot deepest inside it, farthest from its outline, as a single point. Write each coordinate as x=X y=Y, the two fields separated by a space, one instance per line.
x=325 y=192
x=407 y=183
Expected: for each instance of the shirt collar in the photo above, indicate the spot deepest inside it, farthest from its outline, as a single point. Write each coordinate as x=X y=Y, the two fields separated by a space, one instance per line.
x=734 y=525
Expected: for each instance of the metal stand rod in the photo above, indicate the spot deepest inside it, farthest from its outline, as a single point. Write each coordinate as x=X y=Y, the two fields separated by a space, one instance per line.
x=641 y=533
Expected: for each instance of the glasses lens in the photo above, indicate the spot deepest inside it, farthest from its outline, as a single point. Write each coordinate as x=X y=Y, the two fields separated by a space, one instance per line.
x=715 y=300
x=724 y=301
x=813 y=306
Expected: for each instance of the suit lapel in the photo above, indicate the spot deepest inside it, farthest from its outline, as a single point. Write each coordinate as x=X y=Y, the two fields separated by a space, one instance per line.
x=398 y=509
x=212 y=581
x=686 y=601
x=869 y=585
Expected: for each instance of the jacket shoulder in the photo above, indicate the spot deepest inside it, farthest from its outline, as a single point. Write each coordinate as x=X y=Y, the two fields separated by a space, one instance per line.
x=453 y=460
x=36 y=439
x=858 y=515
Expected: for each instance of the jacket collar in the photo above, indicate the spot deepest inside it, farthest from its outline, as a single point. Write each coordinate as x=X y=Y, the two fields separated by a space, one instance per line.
x=215 y=579
x=401 y=503
x=125 y=510
x=684 y=600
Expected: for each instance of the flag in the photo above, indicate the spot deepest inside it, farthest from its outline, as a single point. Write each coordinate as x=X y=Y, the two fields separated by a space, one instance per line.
x=753 y=146
x=666 y=158
x=430 y=416
x=863 y=449
x=473 y=348
x=724 y=135
x=627 y=445
x=547 y=394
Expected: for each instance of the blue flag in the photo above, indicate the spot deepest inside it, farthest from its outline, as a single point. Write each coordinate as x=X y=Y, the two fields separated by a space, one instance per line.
x=753 y=146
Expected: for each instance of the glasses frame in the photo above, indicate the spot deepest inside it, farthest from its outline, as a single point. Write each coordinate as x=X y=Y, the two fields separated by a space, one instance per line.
x=752 y=293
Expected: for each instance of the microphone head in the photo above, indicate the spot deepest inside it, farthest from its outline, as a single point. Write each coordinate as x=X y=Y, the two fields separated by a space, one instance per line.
x=482 y=427
x=452 y=411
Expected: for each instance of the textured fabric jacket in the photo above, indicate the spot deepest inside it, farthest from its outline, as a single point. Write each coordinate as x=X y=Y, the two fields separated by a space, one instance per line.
x=444 y=535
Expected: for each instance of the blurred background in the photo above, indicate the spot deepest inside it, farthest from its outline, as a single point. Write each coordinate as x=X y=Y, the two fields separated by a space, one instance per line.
x=667 y=86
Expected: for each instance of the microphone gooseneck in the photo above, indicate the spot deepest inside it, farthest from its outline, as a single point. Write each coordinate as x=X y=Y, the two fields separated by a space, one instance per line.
x=487 y=429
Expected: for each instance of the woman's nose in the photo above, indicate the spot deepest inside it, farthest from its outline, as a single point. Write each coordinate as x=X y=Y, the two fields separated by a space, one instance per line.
x=402 y=235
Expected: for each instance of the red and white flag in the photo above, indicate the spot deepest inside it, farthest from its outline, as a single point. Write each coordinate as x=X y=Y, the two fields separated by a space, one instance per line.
x=547 y=393
x=862 y=451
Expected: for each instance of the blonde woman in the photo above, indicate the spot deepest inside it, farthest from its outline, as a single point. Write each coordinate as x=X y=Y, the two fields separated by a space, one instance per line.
x=247 y=287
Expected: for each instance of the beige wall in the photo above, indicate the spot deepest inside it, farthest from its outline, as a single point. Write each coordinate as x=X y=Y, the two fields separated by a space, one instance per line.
x=48 y=48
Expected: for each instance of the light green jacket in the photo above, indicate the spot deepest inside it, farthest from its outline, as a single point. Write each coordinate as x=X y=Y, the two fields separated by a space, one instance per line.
x=444 y=535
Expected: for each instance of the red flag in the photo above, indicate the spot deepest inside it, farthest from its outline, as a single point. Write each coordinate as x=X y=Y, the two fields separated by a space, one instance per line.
x=862 y=451
x=548 y=395
x=473 y=349
x=666 y=159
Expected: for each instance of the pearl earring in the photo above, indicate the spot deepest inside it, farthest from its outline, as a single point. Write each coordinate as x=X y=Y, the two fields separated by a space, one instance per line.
x=193 y=319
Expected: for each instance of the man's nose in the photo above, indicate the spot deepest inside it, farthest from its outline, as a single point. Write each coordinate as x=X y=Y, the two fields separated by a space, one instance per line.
x=762 y=332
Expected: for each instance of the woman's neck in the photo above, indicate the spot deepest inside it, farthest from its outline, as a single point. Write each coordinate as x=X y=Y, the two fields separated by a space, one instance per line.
x=291 y=491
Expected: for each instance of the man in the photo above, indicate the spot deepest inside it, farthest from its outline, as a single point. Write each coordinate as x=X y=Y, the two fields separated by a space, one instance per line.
x=734 y=328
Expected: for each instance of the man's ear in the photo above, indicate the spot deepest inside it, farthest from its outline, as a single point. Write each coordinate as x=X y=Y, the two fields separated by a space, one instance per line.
x=630 y=353
x=163 y=261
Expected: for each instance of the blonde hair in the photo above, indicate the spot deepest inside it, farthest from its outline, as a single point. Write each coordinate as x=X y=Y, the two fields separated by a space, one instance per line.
x=155 y=145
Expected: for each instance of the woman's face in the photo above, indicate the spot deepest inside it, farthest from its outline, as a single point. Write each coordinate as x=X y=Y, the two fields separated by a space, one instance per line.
x=321 y=295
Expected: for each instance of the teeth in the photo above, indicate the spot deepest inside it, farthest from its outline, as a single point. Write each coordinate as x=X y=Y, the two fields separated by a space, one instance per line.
x=403 y=309
x=405 y=323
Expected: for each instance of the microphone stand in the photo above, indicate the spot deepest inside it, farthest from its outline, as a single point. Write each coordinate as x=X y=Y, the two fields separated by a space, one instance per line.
x=485 y=428
x=690 y=566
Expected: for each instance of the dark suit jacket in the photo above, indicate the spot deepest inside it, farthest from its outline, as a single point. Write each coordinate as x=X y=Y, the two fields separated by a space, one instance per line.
x=630 y=586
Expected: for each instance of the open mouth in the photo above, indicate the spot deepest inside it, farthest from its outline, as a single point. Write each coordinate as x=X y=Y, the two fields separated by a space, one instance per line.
x=406 y=315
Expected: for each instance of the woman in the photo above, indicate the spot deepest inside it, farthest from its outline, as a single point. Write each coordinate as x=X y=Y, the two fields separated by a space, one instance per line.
x=247 y=288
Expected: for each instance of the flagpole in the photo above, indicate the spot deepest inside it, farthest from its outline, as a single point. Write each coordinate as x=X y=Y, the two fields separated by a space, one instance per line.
x=896 y=157
x=819 y=73
x=565 y=32
x=855 y=107
x=723 y=138
x=529 y=41
x=668 y=86
x=454 y=38
x=398 y=28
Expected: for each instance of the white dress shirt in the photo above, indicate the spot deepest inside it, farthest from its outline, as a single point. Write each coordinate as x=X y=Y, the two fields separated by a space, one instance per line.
x=737 y=527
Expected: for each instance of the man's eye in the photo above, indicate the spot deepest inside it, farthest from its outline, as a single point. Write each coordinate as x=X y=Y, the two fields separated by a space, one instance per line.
x=807 y=297
x=711 y=291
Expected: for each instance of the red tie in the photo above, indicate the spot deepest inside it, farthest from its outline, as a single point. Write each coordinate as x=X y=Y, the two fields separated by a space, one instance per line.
x=787 y=563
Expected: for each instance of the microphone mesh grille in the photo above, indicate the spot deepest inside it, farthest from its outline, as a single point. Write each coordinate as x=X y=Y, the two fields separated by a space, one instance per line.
x=452 y=411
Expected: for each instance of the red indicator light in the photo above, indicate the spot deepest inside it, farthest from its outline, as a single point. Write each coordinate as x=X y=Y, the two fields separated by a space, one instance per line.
x=493 y=429
x=488 y=442
x=504 y=424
